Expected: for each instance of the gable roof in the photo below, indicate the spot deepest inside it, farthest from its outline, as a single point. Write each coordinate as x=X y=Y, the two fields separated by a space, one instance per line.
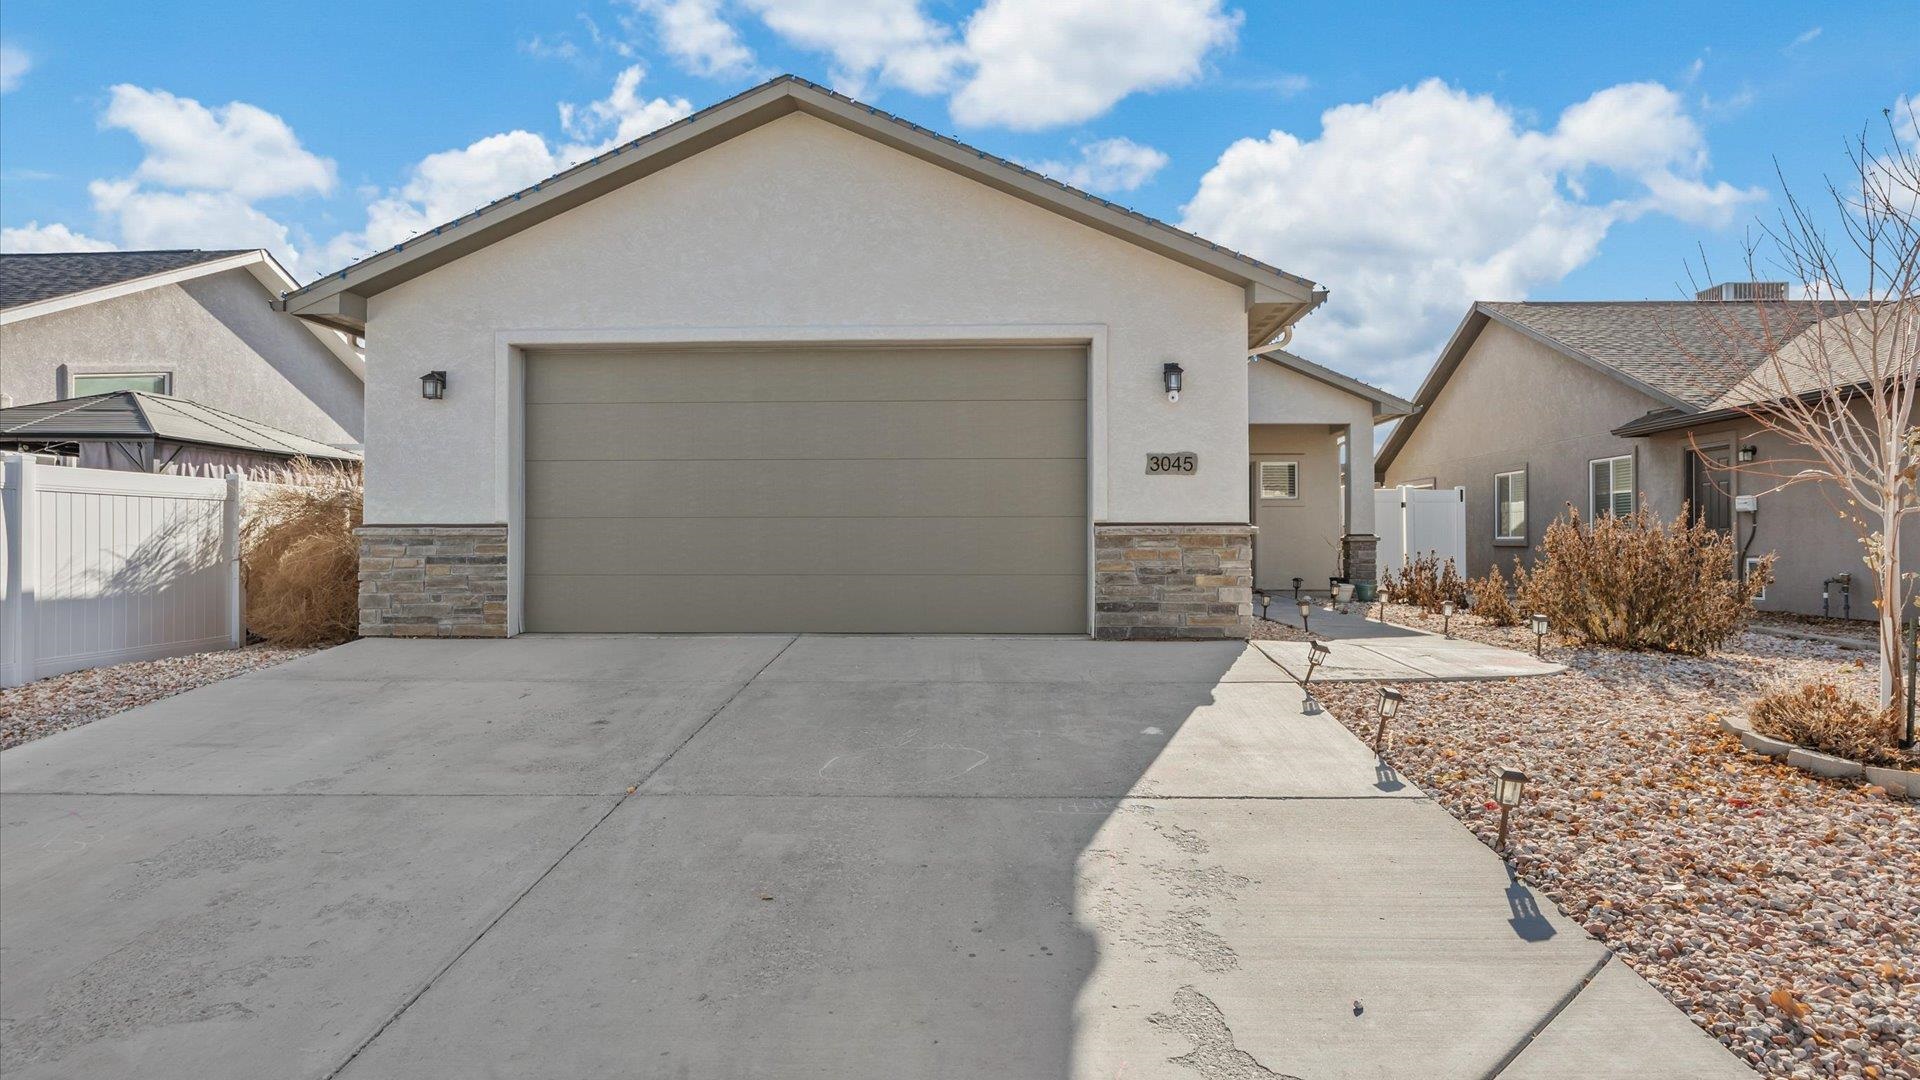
x=134 y=414
x=1385 y=406
x=35 y=285
x=1654 y=346
x=1275 y=298
x=27 y=278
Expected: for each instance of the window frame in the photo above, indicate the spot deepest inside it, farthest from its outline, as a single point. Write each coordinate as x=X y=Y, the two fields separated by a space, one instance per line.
x=1747 y=566
x=1260 y=483
x=1526 y=518
x=74 y=378
x=1611 y=461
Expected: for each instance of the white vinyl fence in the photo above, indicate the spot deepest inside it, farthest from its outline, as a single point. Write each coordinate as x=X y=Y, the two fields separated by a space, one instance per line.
x=1418 y=521
x=103 y=567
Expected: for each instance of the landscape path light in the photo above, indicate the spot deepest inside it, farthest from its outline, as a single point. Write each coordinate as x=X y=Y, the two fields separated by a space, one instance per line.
x=1540 y=629
x=1317 y=652
x=1306 y=608
x=1507 y=788
x=1263 y=600
x=1389 y=708
x=1296 y=587
x=1446 y=618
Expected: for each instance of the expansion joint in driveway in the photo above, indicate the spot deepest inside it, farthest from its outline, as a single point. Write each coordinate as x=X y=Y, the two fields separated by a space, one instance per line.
x=571 y=848
x=1547 y=1020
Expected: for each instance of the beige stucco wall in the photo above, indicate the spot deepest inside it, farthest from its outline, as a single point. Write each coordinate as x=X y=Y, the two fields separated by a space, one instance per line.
x=1800 y=524
x=1278 y=395
x=224 y=345
x=802 y=224
x=1299 y=538
x=1511 y=404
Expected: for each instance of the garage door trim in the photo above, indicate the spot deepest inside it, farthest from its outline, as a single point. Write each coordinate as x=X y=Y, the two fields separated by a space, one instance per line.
x=510 y=354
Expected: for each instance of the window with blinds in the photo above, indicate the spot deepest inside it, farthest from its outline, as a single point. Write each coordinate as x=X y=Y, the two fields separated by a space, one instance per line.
x=1279 y=480
x=1510 y=505
x=1611 y=491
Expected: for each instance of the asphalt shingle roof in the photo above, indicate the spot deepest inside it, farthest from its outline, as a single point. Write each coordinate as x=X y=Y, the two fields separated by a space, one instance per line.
x=132 y=414
x=1694 y=351
x=26 y=278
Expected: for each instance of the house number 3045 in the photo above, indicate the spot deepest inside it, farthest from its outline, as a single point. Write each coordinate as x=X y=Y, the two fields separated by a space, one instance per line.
x=1183 y=464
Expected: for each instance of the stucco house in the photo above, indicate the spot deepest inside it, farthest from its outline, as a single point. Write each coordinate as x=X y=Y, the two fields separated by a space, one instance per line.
x=191 y=324
x=795 y=364
x=1534 y=407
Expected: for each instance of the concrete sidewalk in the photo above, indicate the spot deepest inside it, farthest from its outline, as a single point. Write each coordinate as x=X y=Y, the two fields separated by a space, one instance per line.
x=845 y=857
x=1364 y=650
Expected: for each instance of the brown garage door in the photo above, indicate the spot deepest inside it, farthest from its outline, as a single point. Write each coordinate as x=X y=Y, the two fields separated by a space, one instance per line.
x=834 y=490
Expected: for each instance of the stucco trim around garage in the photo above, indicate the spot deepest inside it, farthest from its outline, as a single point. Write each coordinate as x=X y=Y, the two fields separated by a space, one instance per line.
x=262 y=265
x=1456 y=351
x=509 y=415
x=1275 y=299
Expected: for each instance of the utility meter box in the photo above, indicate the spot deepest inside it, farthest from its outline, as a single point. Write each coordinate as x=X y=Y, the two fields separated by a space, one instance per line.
x=1746 y=504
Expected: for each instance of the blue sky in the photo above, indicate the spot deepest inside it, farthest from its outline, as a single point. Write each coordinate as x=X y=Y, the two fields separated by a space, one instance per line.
x=1411 y=158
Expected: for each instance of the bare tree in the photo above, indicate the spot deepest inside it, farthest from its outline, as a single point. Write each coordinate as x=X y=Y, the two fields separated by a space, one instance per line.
x=1838 y=379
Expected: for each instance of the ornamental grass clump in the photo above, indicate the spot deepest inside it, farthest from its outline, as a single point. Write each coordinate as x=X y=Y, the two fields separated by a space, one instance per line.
x=1820 y=716
x=1425 y=583
x=1638 y=582
x=1490 y=599
x=299 y=558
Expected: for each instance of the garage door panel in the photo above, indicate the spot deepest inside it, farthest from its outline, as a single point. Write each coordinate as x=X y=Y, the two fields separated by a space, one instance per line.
x=819 y=603
x=889 y=490
x=806 y=545
x=806 y=430
x=953 y=487
x=808 y=374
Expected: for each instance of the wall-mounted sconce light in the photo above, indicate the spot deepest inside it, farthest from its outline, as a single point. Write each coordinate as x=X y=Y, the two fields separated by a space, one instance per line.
x=433 y=385
x=1748 y=453
x=1170 y=374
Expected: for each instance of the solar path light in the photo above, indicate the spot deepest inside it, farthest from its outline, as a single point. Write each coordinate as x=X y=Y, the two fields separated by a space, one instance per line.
x=1306 y=608
x=1507 y=788
x=1446 y=618
x=1540 y=629
x=1389 y=708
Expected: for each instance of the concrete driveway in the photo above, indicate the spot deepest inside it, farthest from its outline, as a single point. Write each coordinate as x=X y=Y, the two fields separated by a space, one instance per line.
x=845 y=857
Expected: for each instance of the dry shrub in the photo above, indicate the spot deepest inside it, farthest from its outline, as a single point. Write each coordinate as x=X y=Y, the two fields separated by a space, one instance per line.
x=1490 y=599
x=1423 y=582
x=299 y=558
x=1639 y=582
x=1820 y=716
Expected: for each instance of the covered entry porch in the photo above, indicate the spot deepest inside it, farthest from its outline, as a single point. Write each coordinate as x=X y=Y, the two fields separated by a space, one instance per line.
x=1309 y=436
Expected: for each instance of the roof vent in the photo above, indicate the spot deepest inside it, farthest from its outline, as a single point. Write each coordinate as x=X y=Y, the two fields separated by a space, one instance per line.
x=1744 y=290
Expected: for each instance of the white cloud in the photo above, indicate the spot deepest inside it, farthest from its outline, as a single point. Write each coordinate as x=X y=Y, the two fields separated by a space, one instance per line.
x=1415 y=204
x=448 y=184
x=1805 y=37
x=693 y=33
x=188 y=219
x=1107 y=165
x=1042 y=63
x=621 y=116
x=890 y=41
x=237 y=148
x=14 y=65
x=35 y=237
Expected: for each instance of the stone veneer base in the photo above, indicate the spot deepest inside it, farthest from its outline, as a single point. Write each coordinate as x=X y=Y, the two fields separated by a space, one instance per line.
x=1359 y=554
x=1171 y=582
x=433 y=580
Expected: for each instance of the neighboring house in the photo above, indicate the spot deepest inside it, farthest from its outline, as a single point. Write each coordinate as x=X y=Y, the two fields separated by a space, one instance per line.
x=1311 y=436
x=1533 y=407
x=794 y=364
x=192 y=324
x=132 y=431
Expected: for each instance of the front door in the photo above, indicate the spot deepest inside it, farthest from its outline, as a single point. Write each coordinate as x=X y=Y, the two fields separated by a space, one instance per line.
x=1708 y=487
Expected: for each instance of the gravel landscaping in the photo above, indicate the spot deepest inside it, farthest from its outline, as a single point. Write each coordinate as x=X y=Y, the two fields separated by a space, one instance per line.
x=1778 y=909
x=42 y=708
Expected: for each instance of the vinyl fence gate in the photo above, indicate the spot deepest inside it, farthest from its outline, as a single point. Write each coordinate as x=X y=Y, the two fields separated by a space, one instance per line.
x=104 y=567
x=1412 y=522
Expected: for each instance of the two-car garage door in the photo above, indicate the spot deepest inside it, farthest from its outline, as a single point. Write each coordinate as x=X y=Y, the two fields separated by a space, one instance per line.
x=843 y=489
